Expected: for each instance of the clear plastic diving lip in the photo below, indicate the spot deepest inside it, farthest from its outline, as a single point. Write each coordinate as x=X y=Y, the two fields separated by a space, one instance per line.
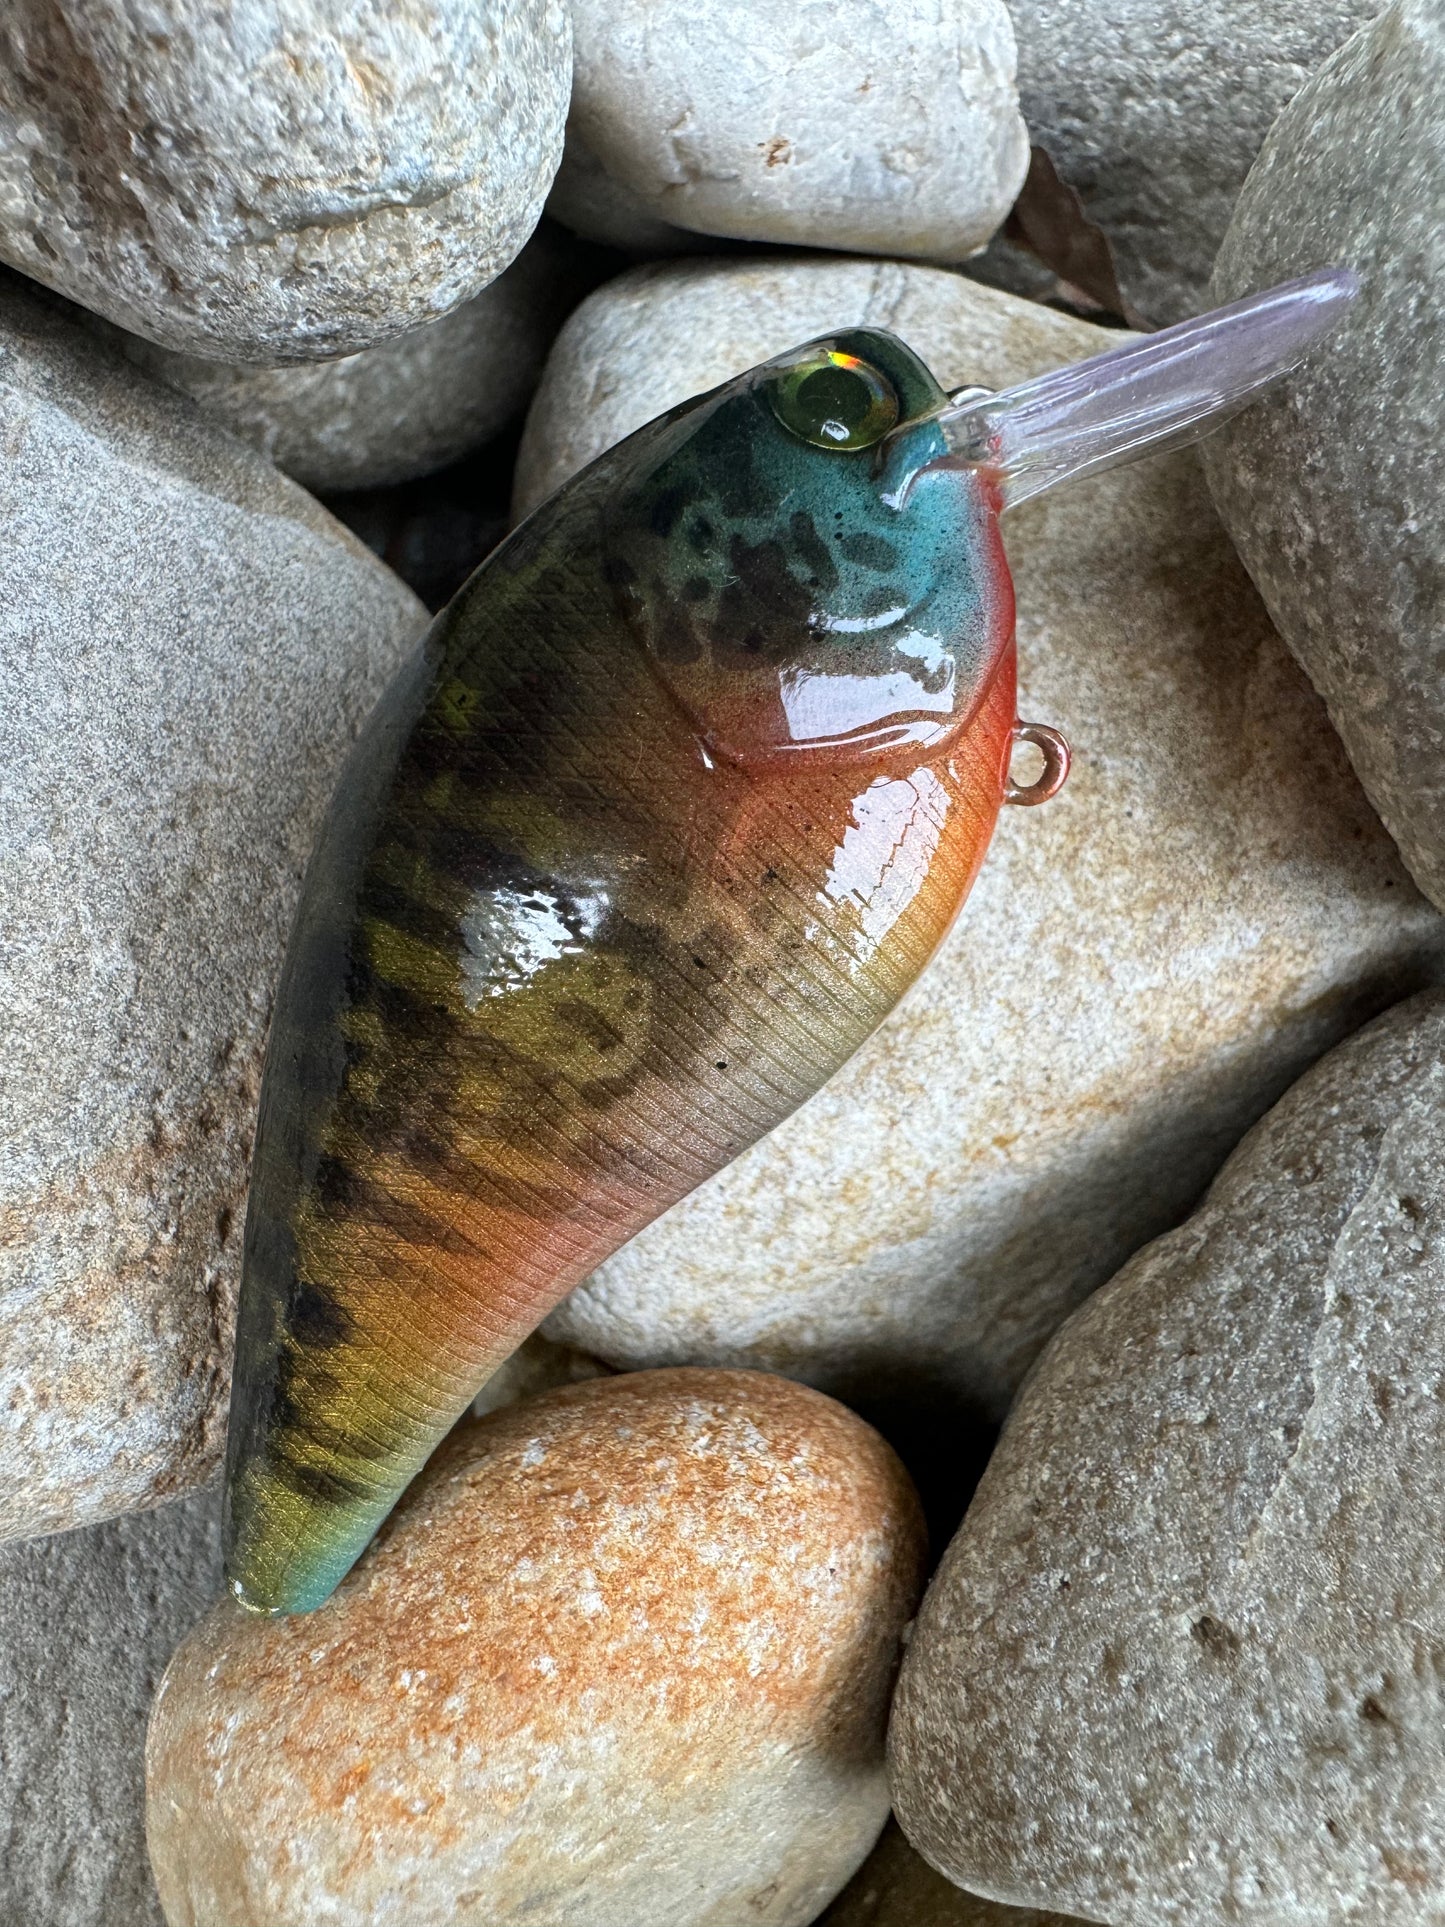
x=1151 y=393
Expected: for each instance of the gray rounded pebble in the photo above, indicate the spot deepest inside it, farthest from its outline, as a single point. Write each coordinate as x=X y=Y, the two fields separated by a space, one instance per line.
x=1332 y=488
x=1182 y=1663
x=896 y=1887
x=1154 y=113
x=276 y=180
x=880 y=126
x=88 y=1621
x=402 y=409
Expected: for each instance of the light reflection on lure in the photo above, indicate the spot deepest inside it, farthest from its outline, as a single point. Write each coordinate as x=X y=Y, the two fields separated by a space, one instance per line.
x=678 y=797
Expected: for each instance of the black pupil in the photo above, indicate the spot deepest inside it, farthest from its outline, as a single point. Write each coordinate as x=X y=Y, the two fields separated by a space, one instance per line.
x=835 y=395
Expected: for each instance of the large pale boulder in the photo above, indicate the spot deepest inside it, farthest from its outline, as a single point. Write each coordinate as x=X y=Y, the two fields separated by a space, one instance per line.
x=1182 y=1662
x=188 y=644
x=1332 y=489
x=622 y=1656
x=87 y=1622
x=276 y=180
x=1144 y=965
x=886 y=126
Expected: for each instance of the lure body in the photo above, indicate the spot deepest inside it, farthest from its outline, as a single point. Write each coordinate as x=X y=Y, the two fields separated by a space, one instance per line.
x=681 y=794
x=676 y=800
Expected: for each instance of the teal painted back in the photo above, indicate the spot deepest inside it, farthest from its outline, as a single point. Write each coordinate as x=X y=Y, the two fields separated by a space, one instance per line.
x=801 y=599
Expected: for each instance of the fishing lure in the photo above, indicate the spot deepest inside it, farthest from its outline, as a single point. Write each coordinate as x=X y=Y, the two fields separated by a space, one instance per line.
x=675 y=801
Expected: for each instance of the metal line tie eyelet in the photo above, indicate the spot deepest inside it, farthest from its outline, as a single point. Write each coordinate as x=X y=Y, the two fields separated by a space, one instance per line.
x=1051 y=779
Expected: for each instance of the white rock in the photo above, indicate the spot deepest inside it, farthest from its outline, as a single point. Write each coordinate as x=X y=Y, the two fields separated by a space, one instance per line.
x=1154 y=114
x=1143 y=967
x=1182 y=1663
x=276 y=180
x=1332 y=490
x=188 y=644
x=404 y=408
x=622 y=1656
x=883 y=126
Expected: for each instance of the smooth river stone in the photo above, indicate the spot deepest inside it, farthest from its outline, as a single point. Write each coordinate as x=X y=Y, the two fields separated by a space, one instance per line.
x=276 y=180
x=896 y=1887
x=1332 y=489
x=1183 y=1662
x=1153 y=114
x=407 y=407
x=622 y=1656
x=586 y=199
x=87 y=1622
x=188 y=645
x=885 y=126
x=1144 y=966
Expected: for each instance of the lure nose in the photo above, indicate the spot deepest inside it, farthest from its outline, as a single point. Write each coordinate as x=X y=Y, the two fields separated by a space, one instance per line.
x=1162 y=391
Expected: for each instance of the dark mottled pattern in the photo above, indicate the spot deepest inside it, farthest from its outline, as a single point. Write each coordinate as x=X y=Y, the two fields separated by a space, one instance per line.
x=744 y=552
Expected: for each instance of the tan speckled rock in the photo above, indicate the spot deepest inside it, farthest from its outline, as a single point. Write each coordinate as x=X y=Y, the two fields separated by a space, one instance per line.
x=188 y=645
x=88 y=1620
x=896 y=1887
x=1144 y=965
x=622 y=1656
x=406 y=407
x=276 y=180
x=1182 y=1663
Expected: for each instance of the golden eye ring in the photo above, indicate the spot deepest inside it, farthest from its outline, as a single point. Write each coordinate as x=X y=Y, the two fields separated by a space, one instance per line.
x=834 y=400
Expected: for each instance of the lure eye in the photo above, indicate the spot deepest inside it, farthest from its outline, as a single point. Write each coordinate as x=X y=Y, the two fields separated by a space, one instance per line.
x=834 y=400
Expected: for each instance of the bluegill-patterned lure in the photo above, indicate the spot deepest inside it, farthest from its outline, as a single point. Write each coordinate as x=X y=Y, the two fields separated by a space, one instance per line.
x=675 y=801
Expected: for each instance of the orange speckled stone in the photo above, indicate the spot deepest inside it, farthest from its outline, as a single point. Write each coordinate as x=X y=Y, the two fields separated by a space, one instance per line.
x=623 y=1655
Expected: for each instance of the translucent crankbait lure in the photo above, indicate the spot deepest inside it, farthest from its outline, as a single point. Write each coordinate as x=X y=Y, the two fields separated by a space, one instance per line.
x=675 y=801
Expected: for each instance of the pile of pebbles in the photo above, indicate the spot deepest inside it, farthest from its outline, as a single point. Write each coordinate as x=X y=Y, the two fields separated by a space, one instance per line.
x=1148 y=1169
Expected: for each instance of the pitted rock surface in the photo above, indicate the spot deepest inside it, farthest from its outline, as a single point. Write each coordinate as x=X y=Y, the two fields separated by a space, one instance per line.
x=1182 y=1662
x=88 y=1620
x=1154 y=114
